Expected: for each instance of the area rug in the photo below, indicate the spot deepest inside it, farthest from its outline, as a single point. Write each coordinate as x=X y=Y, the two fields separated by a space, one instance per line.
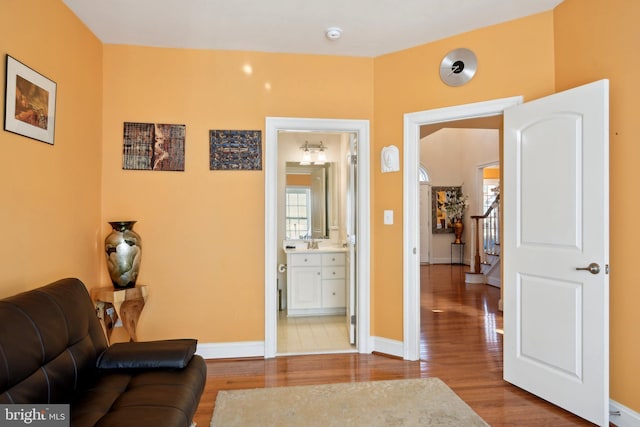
x=415 y=402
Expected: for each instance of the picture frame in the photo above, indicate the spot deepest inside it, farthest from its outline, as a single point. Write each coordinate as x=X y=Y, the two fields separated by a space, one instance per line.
x=235 y=150
x=440 y=223
x=153 y=146
x=30 y=102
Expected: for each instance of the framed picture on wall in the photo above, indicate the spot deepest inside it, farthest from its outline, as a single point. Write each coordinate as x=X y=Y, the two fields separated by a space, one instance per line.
x=30 y=105
x=440 y=222
x=235 y=150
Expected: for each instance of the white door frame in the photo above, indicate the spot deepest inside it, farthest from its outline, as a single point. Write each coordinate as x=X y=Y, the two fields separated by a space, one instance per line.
x=361 y=127
x=411 y=204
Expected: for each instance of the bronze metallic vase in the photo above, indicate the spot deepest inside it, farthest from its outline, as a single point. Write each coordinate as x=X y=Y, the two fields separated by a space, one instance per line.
x=123 y=248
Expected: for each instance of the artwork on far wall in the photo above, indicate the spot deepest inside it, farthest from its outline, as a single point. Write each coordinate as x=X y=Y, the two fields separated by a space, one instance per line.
x=440 y=223
x=153 y=146
x=30 y=104
x=235 y=150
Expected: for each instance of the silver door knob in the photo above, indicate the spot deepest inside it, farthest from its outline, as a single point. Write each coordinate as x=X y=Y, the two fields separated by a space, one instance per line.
x=592 y=268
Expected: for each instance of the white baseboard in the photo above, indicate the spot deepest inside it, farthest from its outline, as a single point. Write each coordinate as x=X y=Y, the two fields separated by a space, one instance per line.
x=387 y=346
x=230 y=350
x=627 y=418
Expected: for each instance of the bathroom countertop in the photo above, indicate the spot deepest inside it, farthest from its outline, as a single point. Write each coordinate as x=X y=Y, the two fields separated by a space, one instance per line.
x=319 y=250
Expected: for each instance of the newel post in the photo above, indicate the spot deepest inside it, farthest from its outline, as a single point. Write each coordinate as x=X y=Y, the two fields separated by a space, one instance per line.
x=477 y=259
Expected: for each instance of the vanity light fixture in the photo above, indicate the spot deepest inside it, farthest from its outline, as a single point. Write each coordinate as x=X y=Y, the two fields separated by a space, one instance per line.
x=315 y=150
x=306 y=155
x=321 y=158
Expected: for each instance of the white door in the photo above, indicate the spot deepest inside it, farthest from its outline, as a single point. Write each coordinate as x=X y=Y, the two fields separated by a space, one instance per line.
x=352 y=226
x=556 y=215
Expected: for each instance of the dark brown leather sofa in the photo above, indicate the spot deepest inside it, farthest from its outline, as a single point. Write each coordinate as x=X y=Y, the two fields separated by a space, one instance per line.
x=53 y=350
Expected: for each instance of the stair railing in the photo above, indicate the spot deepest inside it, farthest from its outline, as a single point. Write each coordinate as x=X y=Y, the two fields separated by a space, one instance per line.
x=490 y=232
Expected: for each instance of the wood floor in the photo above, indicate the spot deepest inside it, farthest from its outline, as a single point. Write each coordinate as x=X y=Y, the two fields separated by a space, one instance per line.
x=460 y=344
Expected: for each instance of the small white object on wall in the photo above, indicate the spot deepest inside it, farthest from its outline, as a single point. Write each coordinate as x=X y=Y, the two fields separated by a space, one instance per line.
x=390 y=159
x=388 y=217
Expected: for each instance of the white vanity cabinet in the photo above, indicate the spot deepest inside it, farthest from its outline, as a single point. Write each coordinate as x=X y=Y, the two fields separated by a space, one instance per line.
x=315 y=283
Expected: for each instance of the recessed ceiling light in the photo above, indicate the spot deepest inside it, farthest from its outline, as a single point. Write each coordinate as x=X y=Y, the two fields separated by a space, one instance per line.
x=333 y=33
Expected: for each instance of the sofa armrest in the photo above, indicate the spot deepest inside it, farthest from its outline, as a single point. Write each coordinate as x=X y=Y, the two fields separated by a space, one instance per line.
x=148 y=354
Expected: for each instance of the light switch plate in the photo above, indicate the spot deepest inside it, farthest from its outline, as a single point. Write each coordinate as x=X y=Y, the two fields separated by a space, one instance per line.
x=388 y=217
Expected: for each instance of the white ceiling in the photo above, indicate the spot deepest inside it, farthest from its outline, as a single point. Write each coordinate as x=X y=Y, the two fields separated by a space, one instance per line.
x=370 y=27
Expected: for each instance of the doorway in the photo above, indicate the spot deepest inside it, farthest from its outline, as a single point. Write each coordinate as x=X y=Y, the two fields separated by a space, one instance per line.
x=413 y=123
x=315 y=199
x=359 y=236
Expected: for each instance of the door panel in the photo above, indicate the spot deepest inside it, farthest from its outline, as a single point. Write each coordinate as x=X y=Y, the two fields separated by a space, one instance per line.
x=548 y=206
x=553 y=334
x=556 y=215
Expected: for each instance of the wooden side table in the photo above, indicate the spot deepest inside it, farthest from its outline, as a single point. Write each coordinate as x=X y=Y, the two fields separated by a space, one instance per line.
x=128 y=304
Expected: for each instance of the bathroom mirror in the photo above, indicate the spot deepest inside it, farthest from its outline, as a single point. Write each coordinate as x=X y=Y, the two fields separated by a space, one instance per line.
x=308 y=195
x=440 y=223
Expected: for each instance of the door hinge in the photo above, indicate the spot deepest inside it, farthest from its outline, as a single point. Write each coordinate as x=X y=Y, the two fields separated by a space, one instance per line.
x=353 y=319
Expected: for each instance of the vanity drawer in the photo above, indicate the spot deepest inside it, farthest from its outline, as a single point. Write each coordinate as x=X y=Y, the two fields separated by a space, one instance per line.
x=297 y=260
x=333 y=272
x=333 y=294
x=333 y=259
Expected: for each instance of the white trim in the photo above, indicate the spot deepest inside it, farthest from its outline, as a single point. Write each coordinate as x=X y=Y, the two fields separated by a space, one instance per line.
x=387 y=346
x=627 y=418
x=229 y=350
x=411 y=200
x=361 y=127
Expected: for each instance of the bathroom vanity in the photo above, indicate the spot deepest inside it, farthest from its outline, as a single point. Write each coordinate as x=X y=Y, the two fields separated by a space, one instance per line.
x=316 y=281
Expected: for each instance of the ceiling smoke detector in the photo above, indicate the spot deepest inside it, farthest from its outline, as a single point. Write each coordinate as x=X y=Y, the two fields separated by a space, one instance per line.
x=333 y=33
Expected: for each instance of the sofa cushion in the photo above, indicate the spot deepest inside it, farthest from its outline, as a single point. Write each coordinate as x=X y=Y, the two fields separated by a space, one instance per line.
x=50 y=341
x=148 y=355
x=155 y=397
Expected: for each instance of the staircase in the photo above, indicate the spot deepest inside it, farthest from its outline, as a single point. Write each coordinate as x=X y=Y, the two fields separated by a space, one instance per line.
x=485 y=266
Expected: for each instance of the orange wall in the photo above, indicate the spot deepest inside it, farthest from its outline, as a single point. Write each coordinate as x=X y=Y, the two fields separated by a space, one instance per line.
x=596 y=40
x=299 y=179
x=515 y=58
x=50 y=194
x=202 y=230
x=491 y=173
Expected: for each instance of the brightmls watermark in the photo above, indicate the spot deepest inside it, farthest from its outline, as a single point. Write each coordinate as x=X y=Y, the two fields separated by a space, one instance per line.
x=35 y=415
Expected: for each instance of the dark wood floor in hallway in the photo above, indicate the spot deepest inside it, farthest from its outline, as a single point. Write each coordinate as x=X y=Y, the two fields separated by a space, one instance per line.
x=460 y=344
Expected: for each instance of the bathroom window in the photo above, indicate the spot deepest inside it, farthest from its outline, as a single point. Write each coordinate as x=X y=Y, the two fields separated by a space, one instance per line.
x=298 y=212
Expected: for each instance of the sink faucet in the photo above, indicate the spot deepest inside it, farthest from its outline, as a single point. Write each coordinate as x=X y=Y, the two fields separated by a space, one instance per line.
x=312 y=244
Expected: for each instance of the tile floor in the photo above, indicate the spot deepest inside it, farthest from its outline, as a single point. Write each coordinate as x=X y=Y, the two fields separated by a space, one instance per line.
x=316 y=334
